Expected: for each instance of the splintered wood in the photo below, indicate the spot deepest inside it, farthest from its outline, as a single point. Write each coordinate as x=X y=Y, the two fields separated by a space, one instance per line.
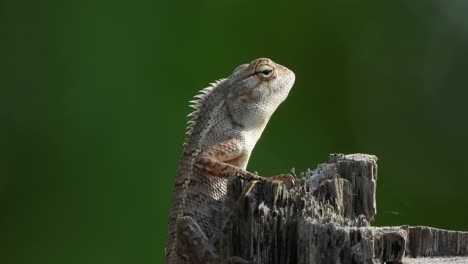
x=325 y=218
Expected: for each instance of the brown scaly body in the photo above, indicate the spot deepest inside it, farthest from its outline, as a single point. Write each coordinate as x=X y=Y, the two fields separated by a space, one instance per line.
x=229 y=118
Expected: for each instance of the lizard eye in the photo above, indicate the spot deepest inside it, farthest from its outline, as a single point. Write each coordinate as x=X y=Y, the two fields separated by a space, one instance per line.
x=265 y=71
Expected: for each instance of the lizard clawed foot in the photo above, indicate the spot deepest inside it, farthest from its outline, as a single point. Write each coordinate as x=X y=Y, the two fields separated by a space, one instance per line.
x=256 y=178
x=284 y=177
x=251 y=177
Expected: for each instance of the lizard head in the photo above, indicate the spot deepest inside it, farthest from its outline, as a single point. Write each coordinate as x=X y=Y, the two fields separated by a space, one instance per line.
x=256 y=90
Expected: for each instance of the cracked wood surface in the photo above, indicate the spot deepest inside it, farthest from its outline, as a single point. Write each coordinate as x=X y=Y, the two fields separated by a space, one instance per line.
x=325 y=218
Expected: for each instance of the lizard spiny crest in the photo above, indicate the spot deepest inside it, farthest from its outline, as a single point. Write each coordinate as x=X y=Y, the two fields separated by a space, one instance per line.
x=196 y=104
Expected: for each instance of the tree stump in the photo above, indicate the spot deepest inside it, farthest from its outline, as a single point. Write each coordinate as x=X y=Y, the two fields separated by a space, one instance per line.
x=325 y=218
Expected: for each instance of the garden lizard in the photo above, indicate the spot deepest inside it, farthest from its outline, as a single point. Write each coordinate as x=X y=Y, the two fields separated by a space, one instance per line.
x=229 y=118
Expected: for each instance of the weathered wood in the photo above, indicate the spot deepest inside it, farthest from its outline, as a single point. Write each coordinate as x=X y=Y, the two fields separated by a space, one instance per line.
x=428 y=241
x=451 y=260
x=325 y=218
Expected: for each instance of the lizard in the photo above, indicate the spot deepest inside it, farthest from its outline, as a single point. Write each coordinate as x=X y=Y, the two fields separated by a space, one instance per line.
x=228 y=119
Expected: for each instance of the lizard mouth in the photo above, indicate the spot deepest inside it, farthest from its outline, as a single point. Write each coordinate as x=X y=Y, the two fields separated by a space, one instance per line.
x=287 y=81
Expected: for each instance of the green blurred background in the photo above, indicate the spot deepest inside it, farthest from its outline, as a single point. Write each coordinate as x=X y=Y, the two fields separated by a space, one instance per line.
x=94 y=96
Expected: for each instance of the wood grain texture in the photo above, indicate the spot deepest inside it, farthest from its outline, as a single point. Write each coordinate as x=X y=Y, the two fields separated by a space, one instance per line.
x=325 y=218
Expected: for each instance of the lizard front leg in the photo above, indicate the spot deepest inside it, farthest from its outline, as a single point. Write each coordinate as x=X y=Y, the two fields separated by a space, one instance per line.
x=222 y=160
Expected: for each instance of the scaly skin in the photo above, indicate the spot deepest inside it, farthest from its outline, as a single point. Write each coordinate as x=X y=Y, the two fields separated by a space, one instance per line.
x=228 y=120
